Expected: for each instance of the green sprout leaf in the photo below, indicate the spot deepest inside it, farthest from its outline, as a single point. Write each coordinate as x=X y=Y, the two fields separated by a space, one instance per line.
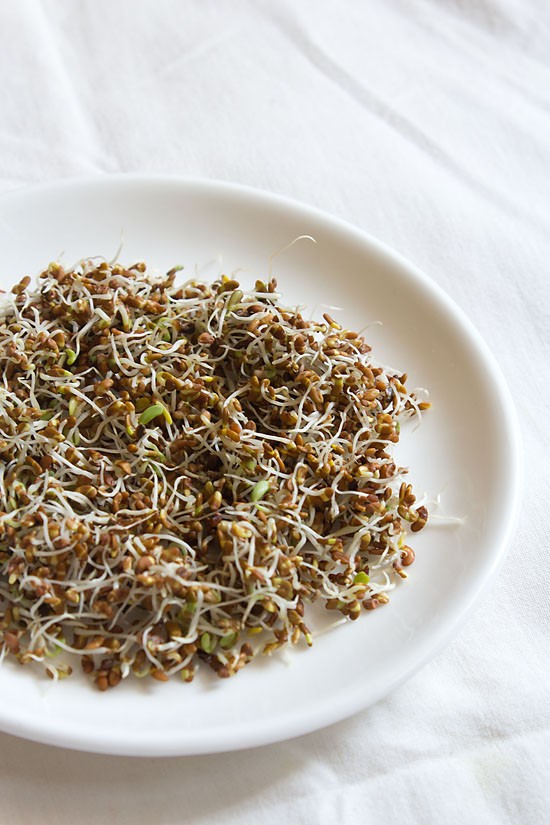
x=259 y=490
x=153 y=412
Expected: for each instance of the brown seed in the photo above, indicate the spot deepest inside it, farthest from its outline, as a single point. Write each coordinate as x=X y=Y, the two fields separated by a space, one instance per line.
x=95 y=643
x=159 y=675
x=51 y=433
x=87 y=664
x=407 y=556
x=11 y=641
x=134 y=301
x=229 y=285
x=103 y=386
x=34 y=466
x=21 y=286
x=334 y=324
x=422 y=517
x=144 y=563
x=124 y=466
x=87 y=490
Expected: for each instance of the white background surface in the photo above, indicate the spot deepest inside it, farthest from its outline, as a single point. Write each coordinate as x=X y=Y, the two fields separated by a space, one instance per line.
x=428 y=124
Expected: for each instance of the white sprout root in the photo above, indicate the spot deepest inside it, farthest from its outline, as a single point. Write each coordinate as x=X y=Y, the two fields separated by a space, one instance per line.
x=183 y=469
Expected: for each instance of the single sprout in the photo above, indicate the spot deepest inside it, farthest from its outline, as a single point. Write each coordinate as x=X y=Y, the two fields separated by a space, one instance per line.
x=259 y=490
x=189 y=608
x=361 y=578
x=228 y=641
x=153 y=412
x=208 y=642
x=71 y=357
x=236 y=298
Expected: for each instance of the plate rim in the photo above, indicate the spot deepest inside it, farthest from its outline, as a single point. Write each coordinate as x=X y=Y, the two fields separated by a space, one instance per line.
x=317 y=715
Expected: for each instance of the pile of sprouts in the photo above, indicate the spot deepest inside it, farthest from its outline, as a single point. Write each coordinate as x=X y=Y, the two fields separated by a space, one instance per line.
x=184 y=469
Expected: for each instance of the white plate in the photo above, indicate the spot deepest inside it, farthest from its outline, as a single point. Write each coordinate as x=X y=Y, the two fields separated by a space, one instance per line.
x=466 y=448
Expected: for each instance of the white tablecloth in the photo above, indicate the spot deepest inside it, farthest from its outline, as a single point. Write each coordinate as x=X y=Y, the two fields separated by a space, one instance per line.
x=426 y=122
